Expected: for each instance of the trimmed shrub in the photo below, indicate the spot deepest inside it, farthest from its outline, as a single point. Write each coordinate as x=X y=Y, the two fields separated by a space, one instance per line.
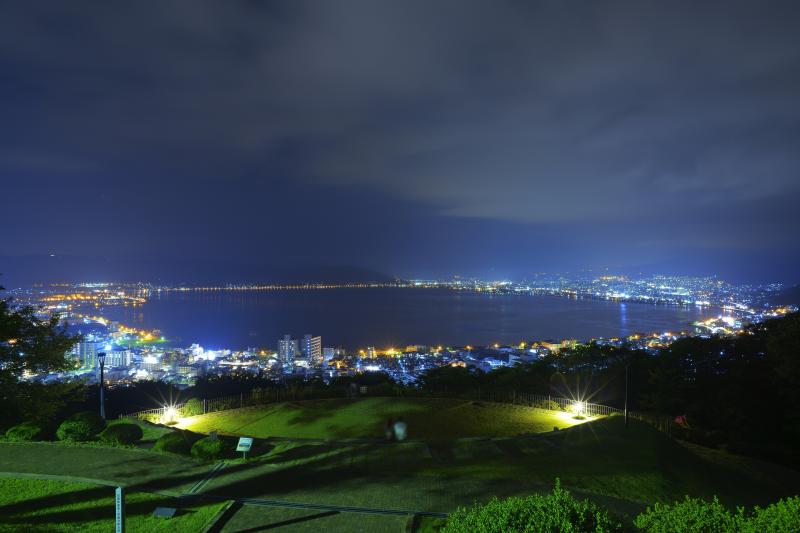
x=208 y=449
x=193 y=407
x=123 y=433
x=780 y=517
x=554 y=512
x=81 y=426
x=689 y=516
x=178 y=441
x=693 y=515
x=26 y=431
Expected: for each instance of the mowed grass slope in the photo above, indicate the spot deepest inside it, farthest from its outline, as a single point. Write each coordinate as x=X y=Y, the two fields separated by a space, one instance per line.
x=622 y=469
x=36 y=505
x=430 y=419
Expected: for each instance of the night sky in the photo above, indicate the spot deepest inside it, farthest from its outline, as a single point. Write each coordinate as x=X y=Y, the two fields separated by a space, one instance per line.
x=188 y=140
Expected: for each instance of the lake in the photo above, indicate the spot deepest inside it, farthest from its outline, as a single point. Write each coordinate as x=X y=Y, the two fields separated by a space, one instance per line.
x=355 y=318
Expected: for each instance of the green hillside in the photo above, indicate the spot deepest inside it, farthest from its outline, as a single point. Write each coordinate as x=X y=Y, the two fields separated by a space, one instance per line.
x=439 y=419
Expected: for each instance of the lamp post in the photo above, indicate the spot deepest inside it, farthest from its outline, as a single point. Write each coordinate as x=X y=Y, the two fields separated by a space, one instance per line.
x=626 y=394
x=101 y=358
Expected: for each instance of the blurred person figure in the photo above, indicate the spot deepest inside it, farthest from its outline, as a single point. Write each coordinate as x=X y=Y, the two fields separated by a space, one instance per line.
x=400 y=430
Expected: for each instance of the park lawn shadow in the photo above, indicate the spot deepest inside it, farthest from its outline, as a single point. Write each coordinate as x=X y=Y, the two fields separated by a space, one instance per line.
x=289 y=522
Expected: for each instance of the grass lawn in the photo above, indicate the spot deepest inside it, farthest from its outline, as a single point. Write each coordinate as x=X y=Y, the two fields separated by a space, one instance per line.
x=251 y=518
x=46 y=505
x=129 y=467
x=622 y=469
x=432 y=419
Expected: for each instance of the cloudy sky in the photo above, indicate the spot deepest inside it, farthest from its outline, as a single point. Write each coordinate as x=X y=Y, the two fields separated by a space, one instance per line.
x=414 y=138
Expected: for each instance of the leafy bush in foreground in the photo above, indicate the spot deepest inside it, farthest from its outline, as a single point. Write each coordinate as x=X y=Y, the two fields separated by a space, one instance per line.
x=81 y=426
x=208 y=449
x=123 y=433
x=179 y=442
x=555 y=512
x=693 y=515
x=780 y=517
x=26 y=431
x=690 y=515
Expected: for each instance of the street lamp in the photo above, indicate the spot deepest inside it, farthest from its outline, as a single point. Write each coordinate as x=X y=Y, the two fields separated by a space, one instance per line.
x=627 y=364
x=101 y=358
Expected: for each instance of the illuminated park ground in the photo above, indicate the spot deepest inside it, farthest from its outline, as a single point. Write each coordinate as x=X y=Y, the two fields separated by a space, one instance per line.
x=428 y=419
x=323 y=453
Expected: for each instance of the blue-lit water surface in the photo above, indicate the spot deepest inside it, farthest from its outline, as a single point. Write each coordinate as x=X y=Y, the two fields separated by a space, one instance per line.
x=356 y=318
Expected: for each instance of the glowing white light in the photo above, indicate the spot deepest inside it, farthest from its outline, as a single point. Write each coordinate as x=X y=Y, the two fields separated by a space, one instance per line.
x=170 y=415
x=578 y=407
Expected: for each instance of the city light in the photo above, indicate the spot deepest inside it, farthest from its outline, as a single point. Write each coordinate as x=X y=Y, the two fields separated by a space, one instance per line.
x=146 y=354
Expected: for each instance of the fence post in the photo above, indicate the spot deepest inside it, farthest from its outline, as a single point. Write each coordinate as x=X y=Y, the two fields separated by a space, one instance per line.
x=241 y=399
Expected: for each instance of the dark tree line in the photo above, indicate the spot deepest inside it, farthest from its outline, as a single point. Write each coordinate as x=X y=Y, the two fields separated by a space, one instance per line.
x=741 y=392
x=29 y=344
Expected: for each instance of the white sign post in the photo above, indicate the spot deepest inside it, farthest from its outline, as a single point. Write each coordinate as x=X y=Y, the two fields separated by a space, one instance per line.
x=244 y=446
x=119 y=502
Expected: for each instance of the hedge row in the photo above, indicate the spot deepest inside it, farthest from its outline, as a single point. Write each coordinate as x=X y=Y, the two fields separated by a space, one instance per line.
x=560 y=511
x=80 y=427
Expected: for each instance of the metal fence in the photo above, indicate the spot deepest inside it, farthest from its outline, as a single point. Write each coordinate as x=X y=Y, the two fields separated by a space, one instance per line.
x=554 y=403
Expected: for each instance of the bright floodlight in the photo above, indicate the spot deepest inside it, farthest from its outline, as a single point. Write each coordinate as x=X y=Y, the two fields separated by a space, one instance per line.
x=578 y=407
x=170 y=415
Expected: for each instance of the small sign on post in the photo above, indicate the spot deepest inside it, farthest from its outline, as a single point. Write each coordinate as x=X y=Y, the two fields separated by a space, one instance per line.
x=244 y=446
x=119 y=502
x=164 y=512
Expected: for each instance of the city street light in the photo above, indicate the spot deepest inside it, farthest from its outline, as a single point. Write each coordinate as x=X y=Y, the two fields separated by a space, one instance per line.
x=101 y=358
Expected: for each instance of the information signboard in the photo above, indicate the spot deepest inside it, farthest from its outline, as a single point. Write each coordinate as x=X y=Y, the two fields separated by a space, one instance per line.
x=244 y=445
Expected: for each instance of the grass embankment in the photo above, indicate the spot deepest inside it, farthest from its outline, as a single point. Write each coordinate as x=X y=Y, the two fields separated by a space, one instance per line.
x=621 y=469
x=45 y=505
x=430 y=419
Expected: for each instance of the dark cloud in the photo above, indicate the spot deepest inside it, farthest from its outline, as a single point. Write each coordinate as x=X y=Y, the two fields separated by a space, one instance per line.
x=406 y=136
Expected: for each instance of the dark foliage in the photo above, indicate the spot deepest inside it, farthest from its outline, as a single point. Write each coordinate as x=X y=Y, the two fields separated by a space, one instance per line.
x=31 y=344
x=121 y=434
x=27 y=431
x=179 y=442
x=81 y=426
x=208 y=449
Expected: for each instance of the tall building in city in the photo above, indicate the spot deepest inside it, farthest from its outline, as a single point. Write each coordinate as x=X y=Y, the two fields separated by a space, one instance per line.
x=86 y=353
x=287 y=350
x=118 y=358
x=312 y=349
